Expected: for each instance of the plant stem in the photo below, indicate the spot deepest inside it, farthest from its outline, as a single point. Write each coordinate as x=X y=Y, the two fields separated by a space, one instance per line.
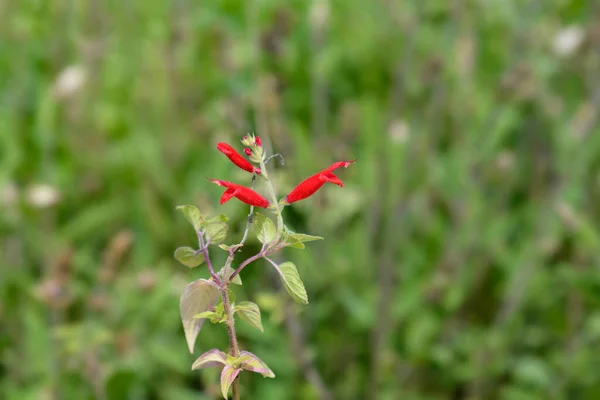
x=233 y=343
x=204 y=249
x=249 y=214
x=265 y=175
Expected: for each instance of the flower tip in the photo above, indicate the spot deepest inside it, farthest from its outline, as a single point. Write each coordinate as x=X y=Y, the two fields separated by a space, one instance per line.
x=257 y=170
x=248 y=151
x=216 y=181
x=258 y=141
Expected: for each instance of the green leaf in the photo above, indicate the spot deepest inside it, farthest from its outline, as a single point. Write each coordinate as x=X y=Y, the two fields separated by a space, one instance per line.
x=218 y=218
x=291 y=242
x=226 y=272
x=249 y=312
x=216 y=231
x=212 y=358
x=297 y=240
x=264 y=228
x=303 y=238
x=250 y=362
x=193 y=215
x=197 y=297
x=292 y=282
x=206 y=314
x=228 y=375
x=189 y=257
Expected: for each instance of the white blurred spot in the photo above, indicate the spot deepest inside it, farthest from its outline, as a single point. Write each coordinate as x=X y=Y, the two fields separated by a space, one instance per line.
x=70 y=81
x=319 y=13
x=399 y=132
x=568 y=40
x=42 y=195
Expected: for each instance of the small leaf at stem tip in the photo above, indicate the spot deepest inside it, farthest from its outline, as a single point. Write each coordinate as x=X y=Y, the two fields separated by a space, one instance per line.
x=212 y=358
x=264 y=228
x=193 y=215
x=216 y=231
x=251 y=362
x=189 y=257
x=226 y=272
x=250 y=313
x=230 y=248
x=197 y=297
x=292 y=282
x=228 y=375
x=206 y=314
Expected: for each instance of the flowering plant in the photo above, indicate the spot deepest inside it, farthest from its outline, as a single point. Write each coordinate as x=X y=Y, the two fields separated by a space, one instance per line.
x=211 y=299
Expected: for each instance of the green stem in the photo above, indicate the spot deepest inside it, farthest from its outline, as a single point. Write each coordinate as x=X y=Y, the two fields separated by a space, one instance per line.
x=278 y=213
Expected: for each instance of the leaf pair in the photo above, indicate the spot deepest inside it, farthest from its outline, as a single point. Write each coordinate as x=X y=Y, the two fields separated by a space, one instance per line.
x=232 y=366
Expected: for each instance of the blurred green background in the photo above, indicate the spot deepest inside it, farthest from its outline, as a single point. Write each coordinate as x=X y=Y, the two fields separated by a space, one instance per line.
x=461 y=259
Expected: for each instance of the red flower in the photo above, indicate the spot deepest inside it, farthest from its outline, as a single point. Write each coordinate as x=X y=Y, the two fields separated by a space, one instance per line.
x=248 y=151
x=237 y=158
x=311 y=184
x=257 y=141
x=242 y=193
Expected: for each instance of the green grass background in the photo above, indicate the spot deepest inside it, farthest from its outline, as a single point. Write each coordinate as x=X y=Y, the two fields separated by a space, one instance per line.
x=461 y=258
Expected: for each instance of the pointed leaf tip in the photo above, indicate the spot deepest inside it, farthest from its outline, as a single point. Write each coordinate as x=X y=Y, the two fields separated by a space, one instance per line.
x=251 y=362
x=292 y=282
x=228 y=375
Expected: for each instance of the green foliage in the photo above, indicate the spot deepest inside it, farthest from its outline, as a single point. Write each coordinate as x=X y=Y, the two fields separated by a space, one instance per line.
x=264 y=228
x=297 y=240
x=216 y=232
x=249 y=362
x=292 y=282
x=197 y=297
x=226 y=273
x=212 y=358
x=461 y=255
x=228 y=375
x=193 y=215
x=250 y=313
x=189 y=257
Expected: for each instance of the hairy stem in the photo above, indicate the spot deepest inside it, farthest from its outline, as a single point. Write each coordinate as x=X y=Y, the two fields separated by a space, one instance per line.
x=255 y=257
x=204 y=250
x=233 y=343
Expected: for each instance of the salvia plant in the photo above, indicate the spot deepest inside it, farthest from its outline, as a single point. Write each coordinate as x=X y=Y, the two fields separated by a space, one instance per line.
x=212 y=299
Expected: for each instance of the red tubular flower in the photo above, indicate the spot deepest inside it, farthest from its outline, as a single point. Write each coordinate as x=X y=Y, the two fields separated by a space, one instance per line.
x=311 y=184
x=242 y=193
x=237 y=158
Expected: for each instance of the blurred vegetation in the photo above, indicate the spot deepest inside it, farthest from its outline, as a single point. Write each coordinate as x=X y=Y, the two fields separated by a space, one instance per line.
x=460 y=261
